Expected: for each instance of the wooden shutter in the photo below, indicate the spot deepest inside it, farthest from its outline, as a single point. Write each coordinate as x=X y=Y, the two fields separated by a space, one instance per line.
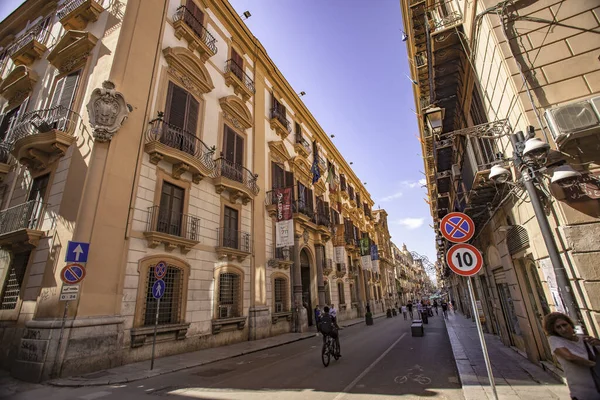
x=177 y=99
x=229 y=144
x=170 y=209
x=191 y=123
x=239 y=149
x=8 y=120
x=230 y=228
x=195 y=11
x=288 y=179
x=237 y=58
x=277 y=176
x=309 y=194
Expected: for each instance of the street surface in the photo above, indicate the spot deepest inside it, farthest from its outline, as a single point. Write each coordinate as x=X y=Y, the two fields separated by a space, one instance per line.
x=379 y=362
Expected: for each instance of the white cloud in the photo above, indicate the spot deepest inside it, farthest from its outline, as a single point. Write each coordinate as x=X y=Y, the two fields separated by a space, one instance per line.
x=422 y=182
x=411 y=223
x=391 y=197
x=413 y=184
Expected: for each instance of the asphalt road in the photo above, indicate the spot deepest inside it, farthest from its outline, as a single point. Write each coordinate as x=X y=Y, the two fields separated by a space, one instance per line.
x=380 y=361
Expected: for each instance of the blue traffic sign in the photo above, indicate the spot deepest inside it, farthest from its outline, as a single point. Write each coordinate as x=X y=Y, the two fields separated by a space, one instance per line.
x=160 y=270
x=77 y=252
x=158 y=289
x=72 y=274
x=457 y=227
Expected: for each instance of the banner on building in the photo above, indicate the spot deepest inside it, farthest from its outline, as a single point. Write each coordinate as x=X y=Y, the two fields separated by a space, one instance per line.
x=338 y=254
x=550 y=277
x=338 y=235
x=365 y=262
x=365 y=247
x=284 y=235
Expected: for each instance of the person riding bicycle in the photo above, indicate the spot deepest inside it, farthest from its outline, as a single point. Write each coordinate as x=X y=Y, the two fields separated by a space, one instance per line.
x=327 y=327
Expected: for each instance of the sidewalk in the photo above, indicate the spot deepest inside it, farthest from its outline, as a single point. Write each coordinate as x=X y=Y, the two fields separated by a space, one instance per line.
x=515 y=376
x=165 y=365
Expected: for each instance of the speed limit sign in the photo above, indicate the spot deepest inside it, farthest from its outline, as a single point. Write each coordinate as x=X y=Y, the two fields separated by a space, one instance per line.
x=464 y=259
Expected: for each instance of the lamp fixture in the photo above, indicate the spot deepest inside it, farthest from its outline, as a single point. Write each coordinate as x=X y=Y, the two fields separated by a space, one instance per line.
x=332 y=136
x=351 y=163
x=404 y=36
x=246 y=15
x=565 y=176
x=302 y=93
x=499 y=174
x=435 y=118
x=535 y=149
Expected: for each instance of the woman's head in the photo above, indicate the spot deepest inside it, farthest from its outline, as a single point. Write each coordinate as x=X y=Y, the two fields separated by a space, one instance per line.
x=558 y=324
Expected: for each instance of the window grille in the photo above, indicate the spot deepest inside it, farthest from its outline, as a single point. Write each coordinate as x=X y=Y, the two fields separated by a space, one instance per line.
x=229 y=295
x=280 y=295
x=342 y=299
x=170 y=303
x=13 y=281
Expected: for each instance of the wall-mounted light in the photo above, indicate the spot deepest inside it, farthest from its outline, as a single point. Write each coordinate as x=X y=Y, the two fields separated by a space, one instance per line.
x=302 y=93
x=332 y=136
x=404 y=36
x=351 y=163
x=246 y=15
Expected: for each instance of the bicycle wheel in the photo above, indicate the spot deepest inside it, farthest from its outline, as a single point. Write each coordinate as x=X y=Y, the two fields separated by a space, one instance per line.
x=336 y=351
x=325 y=357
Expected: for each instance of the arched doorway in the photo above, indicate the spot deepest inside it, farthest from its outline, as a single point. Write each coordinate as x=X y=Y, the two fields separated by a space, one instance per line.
x=306 y=292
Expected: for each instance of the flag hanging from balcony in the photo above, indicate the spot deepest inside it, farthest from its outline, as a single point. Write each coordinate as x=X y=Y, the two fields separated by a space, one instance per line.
x=315 y=170
x=330 y=178
x=374 y=258
x=284 y=235
x=365 y=253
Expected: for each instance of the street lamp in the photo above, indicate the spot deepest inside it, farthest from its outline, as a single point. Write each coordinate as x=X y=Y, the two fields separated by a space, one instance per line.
x=434 y=117
x=529 y=157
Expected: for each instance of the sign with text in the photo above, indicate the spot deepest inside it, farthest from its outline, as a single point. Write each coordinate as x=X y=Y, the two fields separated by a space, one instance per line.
x=284 y=235
x=338 y=254
x=338 y=235
x=365 y=262
x=550 y=276
x=586 y=188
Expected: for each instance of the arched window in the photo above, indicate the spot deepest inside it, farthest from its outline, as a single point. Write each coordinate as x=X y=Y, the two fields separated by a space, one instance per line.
x=171 y=301
x=280 y=295
x=229 y=296
x=341 y=297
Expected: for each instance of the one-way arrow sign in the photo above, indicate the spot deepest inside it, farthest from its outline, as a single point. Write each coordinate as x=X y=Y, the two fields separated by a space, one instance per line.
x=77 y=252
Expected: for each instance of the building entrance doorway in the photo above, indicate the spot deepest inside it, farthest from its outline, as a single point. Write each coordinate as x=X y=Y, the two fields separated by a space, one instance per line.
x=306 y=292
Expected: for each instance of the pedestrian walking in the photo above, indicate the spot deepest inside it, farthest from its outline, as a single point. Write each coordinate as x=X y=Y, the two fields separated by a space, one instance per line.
x=445 y=309
x=420 y=310
x=318 y=318
x=410 y=309
x=453 y=302
x=435 y=305
x=577 y=355
x=404 y=311
x=333 y=313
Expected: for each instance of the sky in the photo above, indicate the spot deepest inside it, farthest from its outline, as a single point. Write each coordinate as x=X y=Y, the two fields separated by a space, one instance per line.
x=349 y=58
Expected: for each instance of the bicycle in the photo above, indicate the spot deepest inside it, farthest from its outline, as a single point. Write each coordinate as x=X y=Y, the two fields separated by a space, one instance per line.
x=329 y=349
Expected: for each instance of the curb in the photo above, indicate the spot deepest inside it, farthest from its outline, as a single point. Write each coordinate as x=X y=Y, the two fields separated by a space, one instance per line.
x=150 y=374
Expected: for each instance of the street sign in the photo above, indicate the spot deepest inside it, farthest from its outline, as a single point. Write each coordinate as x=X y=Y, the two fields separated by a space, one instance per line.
x=158 y=289
x=72 y=274
x=464 y=259
x=457 y=227
x=77 y=252
x=160 y=270
x=68 y=296
x=69 y=289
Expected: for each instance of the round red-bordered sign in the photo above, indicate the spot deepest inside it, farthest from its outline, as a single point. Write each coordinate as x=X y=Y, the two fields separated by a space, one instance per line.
x=72 y=274
x=464 y=259
x=457 y=227
x=160 y=270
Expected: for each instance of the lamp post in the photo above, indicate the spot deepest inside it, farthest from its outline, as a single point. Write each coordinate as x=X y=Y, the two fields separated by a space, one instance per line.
x=528 y=156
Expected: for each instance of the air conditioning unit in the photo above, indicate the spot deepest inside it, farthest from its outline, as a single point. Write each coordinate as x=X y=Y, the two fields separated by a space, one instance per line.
x=224 y=311
x=456 y=172
x=574 y=120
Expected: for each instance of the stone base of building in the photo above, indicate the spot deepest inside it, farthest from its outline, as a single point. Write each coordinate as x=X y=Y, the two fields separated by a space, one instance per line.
x=263 y=324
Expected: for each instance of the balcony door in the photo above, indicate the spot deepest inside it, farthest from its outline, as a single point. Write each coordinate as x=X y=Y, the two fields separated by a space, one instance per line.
x=64 y=94
x=170 y=212
x=8 y=120
x=181 y=115
x=233 y=153
x=194 y=18
x=238 y=65
x=35 y=200
x=230 y=228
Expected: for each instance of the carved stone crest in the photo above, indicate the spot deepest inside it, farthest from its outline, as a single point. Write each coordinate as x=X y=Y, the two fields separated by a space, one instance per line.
x=107 y=110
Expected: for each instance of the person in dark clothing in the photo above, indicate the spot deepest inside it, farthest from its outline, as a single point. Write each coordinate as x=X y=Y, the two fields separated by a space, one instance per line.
x=453 y=305
x=445 y=309
x=327 y=328
x=410 y=309
x=317 y=317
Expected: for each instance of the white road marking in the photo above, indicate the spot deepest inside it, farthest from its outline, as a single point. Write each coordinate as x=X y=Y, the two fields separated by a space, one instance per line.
x=366 y=371
x=95 y=395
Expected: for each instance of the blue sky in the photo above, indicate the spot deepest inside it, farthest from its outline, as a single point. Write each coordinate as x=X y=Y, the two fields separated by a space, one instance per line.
x=348 y=56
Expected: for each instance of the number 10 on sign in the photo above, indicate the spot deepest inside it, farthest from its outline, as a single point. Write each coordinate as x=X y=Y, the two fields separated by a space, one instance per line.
x=464 y=259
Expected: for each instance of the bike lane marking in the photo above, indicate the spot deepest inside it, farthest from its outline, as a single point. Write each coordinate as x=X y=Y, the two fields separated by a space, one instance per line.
x=351 y=385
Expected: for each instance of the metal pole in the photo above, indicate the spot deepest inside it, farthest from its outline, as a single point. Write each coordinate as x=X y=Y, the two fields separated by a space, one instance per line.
x=562 y=279
x=488 y=365
x=62 y=329
x=154 y=339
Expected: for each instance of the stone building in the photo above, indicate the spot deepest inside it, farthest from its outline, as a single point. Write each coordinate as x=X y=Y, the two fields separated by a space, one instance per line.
x=157 y=131
x=484 y=70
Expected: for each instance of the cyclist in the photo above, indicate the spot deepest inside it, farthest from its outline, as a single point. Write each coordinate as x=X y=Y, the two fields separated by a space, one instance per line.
x=327 y=327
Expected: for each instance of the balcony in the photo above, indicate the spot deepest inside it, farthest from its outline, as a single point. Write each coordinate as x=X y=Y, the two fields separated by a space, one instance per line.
x=238 y=180
x=21 y=226
x=241 y=82
x=172 y=229
x=188 y=27
x=30 y=46
x=280 y=124
x=233 y=244
x=4 y=160
x=180 y=148
x=76 y=14
x=323 y=222
x=281 y=258
x=302 y=146
x=352 y=272
x=343 y=188
x=441 y=22
x=351 y=244
x=43 y=136
x=327 y=266
x=340 y=270
x=303 y=212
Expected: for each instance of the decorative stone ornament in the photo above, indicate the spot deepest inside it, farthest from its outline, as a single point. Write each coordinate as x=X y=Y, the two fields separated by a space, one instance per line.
x=108 y=110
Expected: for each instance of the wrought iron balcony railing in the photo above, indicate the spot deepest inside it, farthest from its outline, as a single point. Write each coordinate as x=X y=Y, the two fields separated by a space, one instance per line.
x=446 y=21
x=275 y=113
x=40 y=121
x=322 y=218
x=270 y=196
x=39 y=33
x=238 y=71
x=302 y=207
x=236 y=172
x=303 y=142
x=29 y=215
x=68 y=7
x=180 y=139
x=173 y=223
x=184 y=14
x=234 y=239
x=4 y=153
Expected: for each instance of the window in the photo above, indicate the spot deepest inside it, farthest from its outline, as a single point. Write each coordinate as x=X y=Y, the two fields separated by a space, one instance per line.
x=280 y=294
x=233 y=152
x=230 y=228
x=305 y=199
x=278 y=110
x=238 y=65
x=35 y=199
x=229 y=295
x=281 y=178
x=182 y=114
x=8 y=120
x=64 y=93
x=343 y=182
x=352 y=293
x=194 y=18
x=170 y=304
x=335 y=217
x=358 y=202
x=14 y=281
x=171 y=209
x=327 y=293
x=341 y=298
